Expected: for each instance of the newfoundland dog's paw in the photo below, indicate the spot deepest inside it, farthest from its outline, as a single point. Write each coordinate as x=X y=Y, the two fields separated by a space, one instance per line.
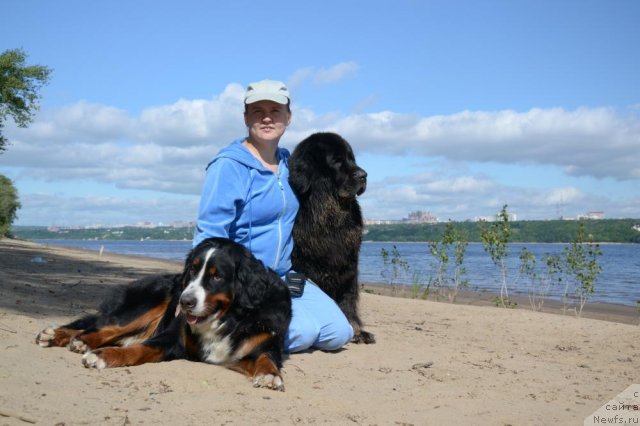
x=363 y=337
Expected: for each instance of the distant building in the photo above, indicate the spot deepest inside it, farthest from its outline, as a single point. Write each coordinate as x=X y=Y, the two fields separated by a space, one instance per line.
x=416 y=217
x=381 y=222
x=592 y=216
x=512 y=218
x=145 y=225
x=484 y=219
x=182 y=224
x=420 y=217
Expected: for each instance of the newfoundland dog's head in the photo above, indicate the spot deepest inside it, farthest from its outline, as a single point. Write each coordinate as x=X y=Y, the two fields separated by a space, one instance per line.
x=324 y=163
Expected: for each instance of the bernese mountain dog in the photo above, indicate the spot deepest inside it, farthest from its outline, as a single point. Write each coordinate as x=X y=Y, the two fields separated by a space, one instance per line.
x=225 y=308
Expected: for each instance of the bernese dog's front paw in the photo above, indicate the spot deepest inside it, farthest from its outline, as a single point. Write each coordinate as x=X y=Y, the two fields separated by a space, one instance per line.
x=93 y=360
x=77 y=346
x=269 y=381
x=46 y=337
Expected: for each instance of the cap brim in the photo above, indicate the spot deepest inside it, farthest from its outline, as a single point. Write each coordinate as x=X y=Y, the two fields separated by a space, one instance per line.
x=280 y=99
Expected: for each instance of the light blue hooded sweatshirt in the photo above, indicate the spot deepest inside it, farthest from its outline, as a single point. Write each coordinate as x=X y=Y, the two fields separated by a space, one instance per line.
x=248 y=203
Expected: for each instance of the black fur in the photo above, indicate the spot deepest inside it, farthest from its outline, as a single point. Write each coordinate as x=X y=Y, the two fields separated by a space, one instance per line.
x=328 y=229
x=149 y=320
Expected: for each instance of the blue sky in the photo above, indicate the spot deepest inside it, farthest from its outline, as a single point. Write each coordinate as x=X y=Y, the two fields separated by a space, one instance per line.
x=452 y=107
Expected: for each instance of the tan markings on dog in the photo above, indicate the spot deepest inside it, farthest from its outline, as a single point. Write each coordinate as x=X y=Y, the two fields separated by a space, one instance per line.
x=56 y=337
x=129 y=356
x=262 y=365
x=263 y=372
x=252 y=343
x=221 y=299
x=138 y=330
x=265 y=365
x=213 y=271
x=63 y=336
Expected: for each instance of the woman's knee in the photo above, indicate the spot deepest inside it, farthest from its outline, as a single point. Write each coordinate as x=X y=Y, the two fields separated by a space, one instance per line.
x=317 y=322
x=335 y=336
x=303 y=333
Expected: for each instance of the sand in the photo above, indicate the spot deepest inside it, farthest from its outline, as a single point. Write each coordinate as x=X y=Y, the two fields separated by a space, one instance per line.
x=433 y=363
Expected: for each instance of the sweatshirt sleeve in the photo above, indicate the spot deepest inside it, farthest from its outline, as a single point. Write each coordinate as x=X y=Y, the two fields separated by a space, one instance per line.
x=223 y=195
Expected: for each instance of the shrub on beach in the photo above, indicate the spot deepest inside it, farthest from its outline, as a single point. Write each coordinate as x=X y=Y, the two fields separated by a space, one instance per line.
x=581 y=268
x=452 y=245
x=9 y=205
x=394 y=266
x=494 y=241
x=538 y=283
x=577 y=268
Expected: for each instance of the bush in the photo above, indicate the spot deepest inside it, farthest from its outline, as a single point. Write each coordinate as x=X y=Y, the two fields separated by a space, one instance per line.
x=452 y=245
x=495 y=238
x=581 y=267
x=9 y=205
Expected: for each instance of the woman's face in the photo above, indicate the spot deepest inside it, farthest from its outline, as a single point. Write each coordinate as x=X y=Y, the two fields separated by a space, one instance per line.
x=266 y=120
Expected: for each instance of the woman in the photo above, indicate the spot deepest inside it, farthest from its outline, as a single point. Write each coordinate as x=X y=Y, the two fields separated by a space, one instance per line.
x=247 y=198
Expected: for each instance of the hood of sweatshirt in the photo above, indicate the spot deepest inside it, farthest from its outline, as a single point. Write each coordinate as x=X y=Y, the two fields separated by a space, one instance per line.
x=240 y=153
x=248 y=203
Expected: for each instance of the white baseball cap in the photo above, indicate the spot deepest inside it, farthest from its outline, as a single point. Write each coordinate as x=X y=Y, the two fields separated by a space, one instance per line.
x=267 y=90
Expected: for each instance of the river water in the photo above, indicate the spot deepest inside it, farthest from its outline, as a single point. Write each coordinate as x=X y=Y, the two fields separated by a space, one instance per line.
x=619 y=281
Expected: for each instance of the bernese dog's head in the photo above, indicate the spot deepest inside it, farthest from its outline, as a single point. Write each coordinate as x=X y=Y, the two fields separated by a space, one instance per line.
x=221 y=276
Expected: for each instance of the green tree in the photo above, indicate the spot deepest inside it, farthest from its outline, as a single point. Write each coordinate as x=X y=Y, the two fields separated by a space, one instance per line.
x=398 y=265
x=581 y=267
x=539 y=283
x=494 y=241
x=19 y=89
x=452 y=244
x=9 y=204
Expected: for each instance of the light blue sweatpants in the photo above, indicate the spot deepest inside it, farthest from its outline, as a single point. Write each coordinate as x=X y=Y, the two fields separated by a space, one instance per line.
x=317 y=322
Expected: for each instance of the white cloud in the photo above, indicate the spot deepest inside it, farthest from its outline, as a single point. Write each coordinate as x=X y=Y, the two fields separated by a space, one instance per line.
x=460 y=184
x=88 y=210
x=188 y=122
x=466 y=197
x=335 y=73
x=166 y=148
x=364 y=104
x=586 y=142
x=323 y=76
x=299 y=77
x=81 y=121
x=560 y=196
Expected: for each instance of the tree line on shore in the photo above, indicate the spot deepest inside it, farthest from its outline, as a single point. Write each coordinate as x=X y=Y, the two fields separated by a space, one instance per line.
x=539 y=231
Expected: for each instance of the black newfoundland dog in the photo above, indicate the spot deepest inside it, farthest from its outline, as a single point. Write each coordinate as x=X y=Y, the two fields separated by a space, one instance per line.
x=225 y=308
x=328 y=229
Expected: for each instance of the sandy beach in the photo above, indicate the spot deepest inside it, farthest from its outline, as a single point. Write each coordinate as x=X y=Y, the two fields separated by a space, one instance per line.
x=434 y=363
